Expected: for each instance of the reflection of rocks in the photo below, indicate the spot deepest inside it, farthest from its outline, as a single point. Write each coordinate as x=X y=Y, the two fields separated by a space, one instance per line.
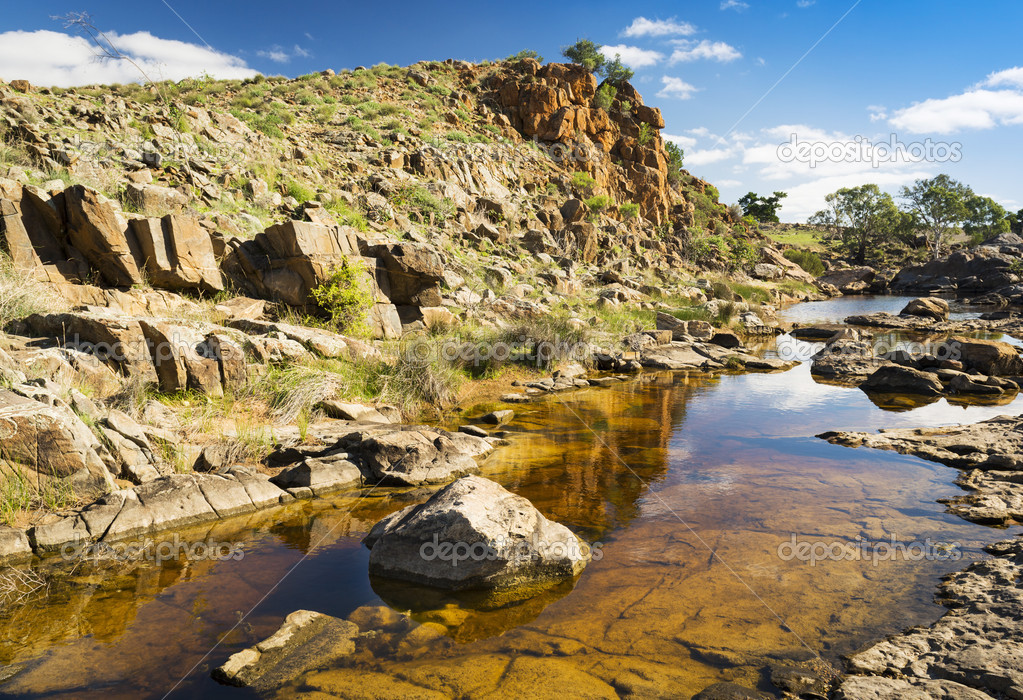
x=974 y=651
x=993 y=448
x=474 y=534
x=468 y=616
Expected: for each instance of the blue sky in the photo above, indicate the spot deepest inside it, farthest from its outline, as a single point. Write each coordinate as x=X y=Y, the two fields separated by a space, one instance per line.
x=937 y=70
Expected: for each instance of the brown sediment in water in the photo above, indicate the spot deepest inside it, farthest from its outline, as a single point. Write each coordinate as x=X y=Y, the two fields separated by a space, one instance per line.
x=714 y=475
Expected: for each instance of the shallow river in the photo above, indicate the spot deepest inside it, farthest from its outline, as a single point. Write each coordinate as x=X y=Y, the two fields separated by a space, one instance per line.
x=695 y=488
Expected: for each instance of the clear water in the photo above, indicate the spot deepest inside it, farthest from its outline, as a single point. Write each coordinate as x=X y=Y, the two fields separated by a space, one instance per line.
x=691 y=484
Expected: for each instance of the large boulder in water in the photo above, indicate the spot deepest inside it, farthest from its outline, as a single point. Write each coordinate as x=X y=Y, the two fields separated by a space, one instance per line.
x=473 y=534
x=902 y=380
x=989 y=357
x=927 y=307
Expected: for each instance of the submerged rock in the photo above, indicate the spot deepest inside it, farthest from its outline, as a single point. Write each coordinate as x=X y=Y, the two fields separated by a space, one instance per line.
x=972 y=652
x=305 y=641
x=474 y=534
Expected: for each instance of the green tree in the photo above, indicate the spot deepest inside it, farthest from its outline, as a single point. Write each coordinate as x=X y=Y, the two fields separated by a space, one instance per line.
x=763 y=209
x=675 y=155
x=985 y=219
x=1015 y=222
x=940 y=206
x=586 y=53
x=616 y=72
x=861 y=216
x=525 y=53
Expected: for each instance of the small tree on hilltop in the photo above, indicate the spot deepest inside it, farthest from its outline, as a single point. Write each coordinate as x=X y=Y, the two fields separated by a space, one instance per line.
x=586 y=53
x=763 y=209
x=616 y=72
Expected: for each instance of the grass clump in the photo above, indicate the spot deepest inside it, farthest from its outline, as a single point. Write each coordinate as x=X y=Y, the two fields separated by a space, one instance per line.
x=20 y=492
x=629 y=210
x=21 y=295
x=419 y=200
x=806 y=259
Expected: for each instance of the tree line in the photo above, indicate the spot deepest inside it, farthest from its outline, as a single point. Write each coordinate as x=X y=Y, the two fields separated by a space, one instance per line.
x=936 y=208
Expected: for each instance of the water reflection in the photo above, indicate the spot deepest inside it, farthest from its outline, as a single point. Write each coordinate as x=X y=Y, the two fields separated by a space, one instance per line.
x=701 y=470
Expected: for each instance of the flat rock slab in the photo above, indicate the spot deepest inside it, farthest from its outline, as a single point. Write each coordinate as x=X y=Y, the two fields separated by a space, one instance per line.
x=974 y=651
x=677 y=356
x=305 y=641
x=321 y=476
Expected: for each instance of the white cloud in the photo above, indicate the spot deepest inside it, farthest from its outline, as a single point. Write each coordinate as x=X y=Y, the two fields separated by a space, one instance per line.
x=57 y=59
x=975 y=109
x=757 y=158
x=633 y=56
x=708 y=156
x=1012 y=77
x=761 y=61
x=683 y=141
x=641 y=26
x=805 y=3
x=676 y=88
x=275 y=55
x=706 y=49
x=736 y=5
x=278 y=54
x=877 y=112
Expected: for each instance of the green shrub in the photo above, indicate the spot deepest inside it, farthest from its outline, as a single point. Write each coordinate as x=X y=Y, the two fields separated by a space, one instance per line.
x=806 y=259
x=457 y=137
x=646 y=134
x=344 y=295
x=628 y=210
x=418 y=199
x=605 y=96
x=301 y=192
x=583 y=181
x=743 y=253
x=598 y=203
x=524 y=54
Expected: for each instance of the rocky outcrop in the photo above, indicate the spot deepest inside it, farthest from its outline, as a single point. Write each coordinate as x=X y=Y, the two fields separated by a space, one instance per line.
x=854 y=280
x=498 y=540
x=977 y=271
x=555 y=102
x=894 y=379
x=49 y=441
x=178 y=254
x=973 y=652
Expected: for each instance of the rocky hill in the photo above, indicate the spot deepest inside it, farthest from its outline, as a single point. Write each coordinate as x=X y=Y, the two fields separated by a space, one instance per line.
x=195 y=273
